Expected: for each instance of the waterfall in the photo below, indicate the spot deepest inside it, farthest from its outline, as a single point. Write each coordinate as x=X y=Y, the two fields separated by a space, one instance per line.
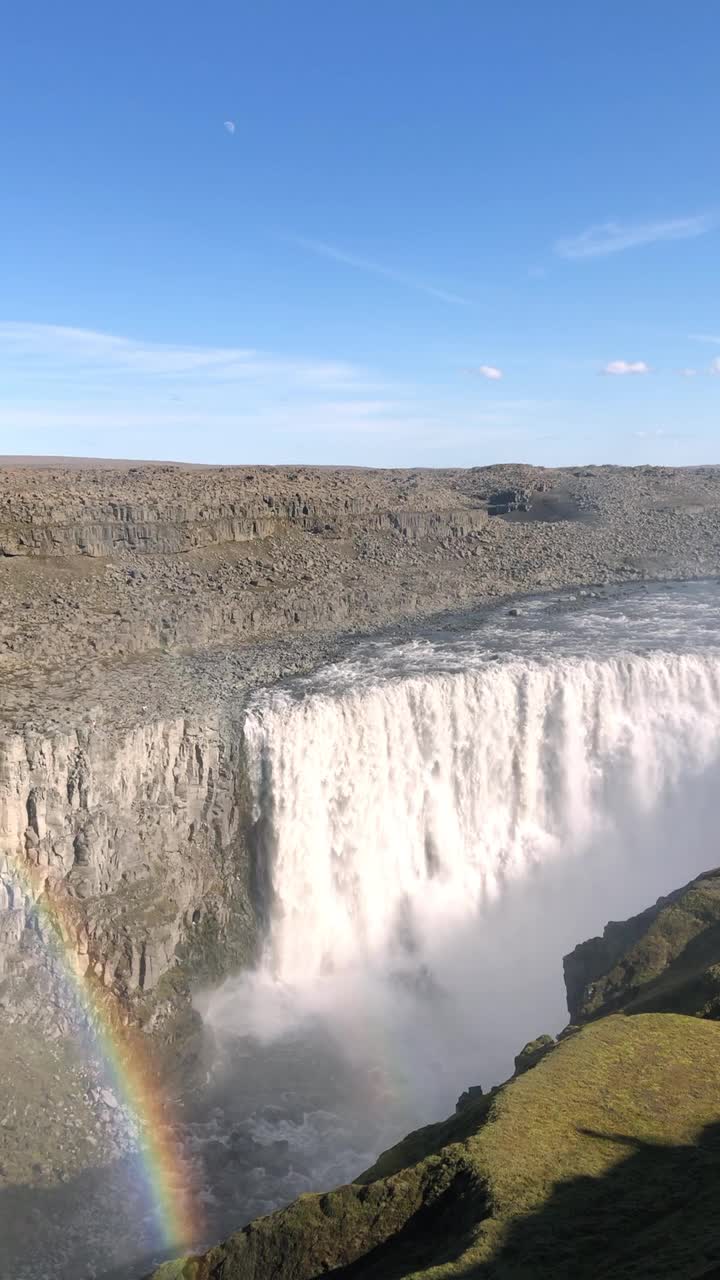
x=394 y=813
x=439 y=821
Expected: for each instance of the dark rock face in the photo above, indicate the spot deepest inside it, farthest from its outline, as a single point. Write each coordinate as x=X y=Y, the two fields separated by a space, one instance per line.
x=138 y=844
x=667 y=959
x=468 y=1097
x=507 y=500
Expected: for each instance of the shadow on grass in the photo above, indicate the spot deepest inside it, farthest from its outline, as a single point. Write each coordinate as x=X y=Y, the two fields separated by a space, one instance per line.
x=653 y=1216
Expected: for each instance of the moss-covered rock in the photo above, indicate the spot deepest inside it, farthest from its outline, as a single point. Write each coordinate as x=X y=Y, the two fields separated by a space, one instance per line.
x=533 y=1052
x=468 y=1097
x=665 y=959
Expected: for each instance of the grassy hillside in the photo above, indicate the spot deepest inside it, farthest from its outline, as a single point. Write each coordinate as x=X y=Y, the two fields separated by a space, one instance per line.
x=603 y=1160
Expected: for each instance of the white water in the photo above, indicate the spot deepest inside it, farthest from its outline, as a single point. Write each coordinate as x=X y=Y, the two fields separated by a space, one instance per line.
x=397 y=812
x=444 y=819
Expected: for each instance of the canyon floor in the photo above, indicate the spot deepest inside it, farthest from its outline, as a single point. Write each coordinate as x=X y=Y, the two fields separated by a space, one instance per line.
x=140 y=604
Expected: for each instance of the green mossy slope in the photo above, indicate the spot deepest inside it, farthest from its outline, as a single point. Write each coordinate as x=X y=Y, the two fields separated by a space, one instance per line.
x=602 y=1160
x=665 y=959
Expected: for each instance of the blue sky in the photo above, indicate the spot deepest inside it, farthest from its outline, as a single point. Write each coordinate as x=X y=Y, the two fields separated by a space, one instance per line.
x=385 y=232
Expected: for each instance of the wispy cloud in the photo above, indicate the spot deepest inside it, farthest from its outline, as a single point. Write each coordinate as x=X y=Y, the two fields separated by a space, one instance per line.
x=52 y=349
x=67 y=389
x=323 y=250
x=620 y=368
x=715 y=366
x=229 y=126
x=688 y=373
x=612 y=237
x=705 y=337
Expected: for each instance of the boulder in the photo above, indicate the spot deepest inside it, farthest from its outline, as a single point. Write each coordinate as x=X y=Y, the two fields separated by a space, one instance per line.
x=532 y=1052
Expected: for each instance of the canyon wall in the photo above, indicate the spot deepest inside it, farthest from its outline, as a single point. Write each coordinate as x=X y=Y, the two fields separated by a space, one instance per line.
x=141 y=602
x=134 y=846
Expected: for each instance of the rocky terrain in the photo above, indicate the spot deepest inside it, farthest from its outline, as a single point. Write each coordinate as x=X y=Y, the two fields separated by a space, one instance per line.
x=142 y=601
x=98 y=566
x=600 y=1157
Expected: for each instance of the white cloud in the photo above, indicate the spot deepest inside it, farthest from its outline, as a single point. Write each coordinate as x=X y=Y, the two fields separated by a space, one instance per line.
x=230 y=126
x=374 y=268
x=613 y=237
x=489 y=371
x=705 y=337
x=688 y=373
x=622 y=367
x=715 y=366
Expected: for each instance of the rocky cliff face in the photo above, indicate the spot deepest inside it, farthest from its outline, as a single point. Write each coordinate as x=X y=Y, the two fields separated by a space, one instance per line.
x=135 y=844
x=156 y=509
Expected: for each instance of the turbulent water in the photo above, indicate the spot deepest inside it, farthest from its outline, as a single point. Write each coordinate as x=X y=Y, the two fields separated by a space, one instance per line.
x=439 y=821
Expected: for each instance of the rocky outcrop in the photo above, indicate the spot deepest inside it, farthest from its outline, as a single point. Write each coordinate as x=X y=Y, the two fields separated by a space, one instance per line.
x=504 y=501
x=156 y=531
x=665 y=959
x=168 y=510
x=133 y=847
x=424 y=524
x=533 y=1052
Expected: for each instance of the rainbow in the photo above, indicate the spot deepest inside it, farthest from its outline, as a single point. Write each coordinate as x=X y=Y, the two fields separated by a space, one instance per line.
x=168 y=1174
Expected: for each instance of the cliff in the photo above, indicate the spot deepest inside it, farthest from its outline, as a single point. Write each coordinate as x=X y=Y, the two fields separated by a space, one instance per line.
x=138 y=845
